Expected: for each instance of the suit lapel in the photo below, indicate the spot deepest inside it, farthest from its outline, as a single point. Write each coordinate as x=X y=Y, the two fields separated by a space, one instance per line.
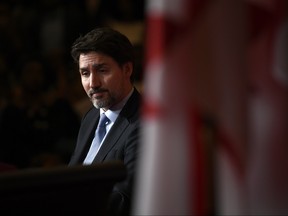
x=88 y=134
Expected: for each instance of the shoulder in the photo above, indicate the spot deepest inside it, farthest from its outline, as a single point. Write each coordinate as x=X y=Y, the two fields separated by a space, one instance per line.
x=131 y=110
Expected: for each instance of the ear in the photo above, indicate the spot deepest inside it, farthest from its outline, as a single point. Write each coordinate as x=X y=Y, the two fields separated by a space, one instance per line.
x=128 y=69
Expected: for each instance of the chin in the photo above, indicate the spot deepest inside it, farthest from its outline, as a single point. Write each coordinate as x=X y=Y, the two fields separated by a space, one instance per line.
x=100 y=104
x=96 y=105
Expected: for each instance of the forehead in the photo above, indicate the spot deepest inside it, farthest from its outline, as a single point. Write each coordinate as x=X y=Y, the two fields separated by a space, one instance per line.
x=94 y=58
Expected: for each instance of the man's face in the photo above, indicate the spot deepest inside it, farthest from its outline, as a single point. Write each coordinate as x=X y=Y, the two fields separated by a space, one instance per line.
x=105 y=82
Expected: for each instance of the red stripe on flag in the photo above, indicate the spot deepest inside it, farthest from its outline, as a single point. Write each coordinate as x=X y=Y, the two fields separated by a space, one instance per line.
x=199 y=166
x=200 y=159
x=152 y=110
x=163 y=31
x=154 y=38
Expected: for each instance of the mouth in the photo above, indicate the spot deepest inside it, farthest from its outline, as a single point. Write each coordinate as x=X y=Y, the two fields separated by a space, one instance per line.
x=97 y=94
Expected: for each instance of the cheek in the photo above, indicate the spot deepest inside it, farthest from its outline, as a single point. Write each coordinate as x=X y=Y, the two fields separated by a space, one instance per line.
x=118 y=82
x=112 y=81
x=85 y=84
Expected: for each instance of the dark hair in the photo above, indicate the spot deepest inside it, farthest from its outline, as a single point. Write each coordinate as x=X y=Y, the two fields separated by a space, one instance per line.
x=107 y=41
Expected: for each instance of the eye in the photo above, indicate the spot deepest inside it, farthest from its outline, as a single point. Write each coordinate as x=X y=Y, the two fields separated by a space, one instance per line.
x=84 y=73
x=102 y=70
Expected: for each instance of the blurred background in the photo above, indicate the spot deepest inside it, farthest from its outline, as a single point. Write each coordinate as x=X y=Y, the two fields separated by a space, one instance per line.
x=41 y=97
x=215 y=99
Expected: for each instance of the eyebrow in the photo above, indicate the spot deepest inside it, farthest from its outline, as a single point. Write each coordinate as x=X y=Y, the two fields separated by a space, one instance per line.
x=94 y=66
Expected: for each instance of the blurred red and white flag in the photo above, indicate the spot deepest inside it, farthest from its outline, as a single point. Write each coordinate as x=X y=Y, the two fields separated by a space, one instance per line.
x=203 y=118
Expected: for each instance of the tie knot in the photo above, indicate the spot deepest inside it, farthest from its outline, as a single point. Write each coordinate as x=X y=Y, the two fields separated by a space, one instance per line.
x=104 y=120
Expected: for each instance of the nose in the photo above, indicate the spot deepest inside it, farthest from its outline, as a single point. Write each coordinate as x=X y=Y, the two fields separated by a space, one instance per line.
x=94 y=81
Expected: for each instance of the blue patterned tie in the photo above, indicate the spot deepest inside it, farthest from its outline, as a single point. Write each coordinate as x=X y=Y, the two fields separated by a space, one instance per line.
x=99 y=134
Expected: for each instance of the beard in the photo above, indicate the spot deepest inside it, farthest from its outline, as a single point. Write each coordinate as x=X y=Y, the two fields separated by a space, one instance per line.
x=101 y=103
x=105 y=101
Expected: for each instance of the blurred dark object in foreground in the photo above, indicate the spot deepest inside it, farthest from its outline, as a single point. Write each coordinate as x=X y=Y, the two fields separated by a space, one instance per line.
x=51 y=191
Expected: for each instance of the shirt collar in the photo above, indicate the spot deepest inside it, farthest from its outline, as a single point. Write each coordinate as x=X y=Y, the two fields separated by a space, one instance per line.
x=113 y=114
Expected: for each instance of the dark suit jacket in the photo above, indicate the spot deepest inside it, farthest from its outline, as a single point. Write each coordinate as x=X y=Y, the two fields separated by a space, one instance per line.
x=121 y=143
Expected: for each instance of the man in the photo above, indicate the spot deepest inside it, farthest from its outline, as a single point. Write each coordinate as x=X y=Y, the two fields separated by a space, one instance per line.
x=106 y=63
